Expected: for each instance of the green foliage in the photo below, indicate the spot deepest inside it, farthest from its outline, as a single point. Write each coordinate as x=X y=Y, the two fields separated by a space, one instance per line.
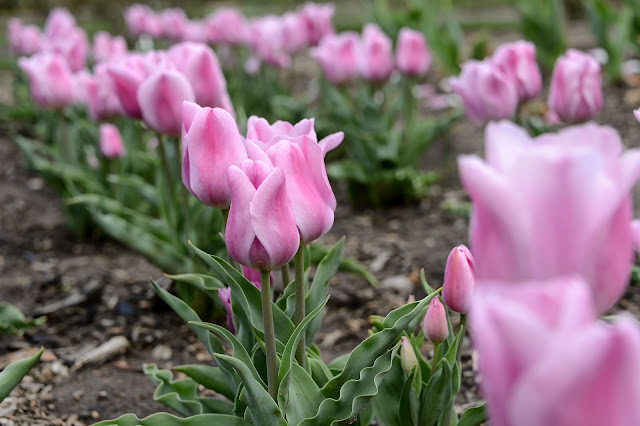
x=14 y=372
x=12 y=321
x=542 y=22
x=166 y=419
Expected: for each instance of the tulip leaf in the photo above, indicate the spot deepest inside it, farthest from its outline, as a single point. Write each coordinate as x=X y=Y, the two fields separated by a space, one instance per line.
x=474 y=416
x=187 y=314
x=183 y=395
x=304 y=394
x=327 y=268
x=386 y=403
x=318 y=252
x=248 y=295
x=288 y=354
x=239 y=351
x=436 y=396
x=377 y=344
x=12 y=321
x=146 y=191
x=166 y=419
x=354 y=394
x=409 y=405
x=263 y=409
x=208 y=284
x=319 y=371
x=14 y=372
x=210 y=377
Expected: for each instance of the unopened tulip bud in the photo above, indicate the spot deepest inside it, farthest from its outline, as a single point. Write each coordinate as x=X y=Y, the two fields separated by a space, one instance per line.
x=111 y=145
x=408 y=357
x=459 y=279
x=435 y=322
x=412 y=55
x=225 y=297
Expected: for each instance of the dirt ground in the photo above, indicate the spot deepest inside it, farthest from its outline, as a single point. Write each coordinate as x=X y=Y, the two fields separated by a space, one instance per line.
x=96 y=291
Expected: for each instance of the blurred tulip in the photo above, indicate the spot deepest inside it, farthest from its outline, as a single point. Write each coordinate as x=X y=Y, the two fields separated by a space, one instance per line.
x=73 y=46
x=517 y=61
x=111 y=145
x=376 y=56
x=102 y=99
x=107 y=47
x=317 y=18
x=261 y=232
x=575 y=93
x=23 y=39
x=210 y=144
x=338 y=56
x=227 y=26
x=435 y=325
x=173 y=23
x=266 y=38
x=486 y=92
x=544 y=361
x=59 y=23
x=142 y=20
x=50 y=79
x=459 y=280
x=555 y=205
x=127 y=75
x=412 y=56
x=160 y=98
x=408 y=358
x=294 y=31
x=81 y=81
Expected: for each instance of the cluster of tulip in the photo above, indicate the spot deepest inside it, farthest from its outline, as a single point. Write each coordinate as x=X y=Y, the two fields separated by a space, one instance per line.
x=494 y=88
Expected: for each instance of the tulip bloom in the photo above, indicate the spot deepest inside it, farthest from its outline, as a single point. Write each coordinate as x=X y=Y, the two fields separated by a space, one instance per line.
x=127 y=75
x=555 y=205
x=111 y=145
x=227 y=26
x=412 y=55
x=575 y=93
x=376 y=57
x=225 y=294
x=102 y=99
x=266 y=38
x=435 y=326
x=317 y=18
x=210 y=144
x=261 y=232
x=160 y=98
x=545 y=361
x=337 y=54
x=518 y=61
x=459 y=280
x=173 y=23
x=23 y=39
x=106 y=47
x=59 y=23
x=50 y=79
x=142 y=20
x=486 y=92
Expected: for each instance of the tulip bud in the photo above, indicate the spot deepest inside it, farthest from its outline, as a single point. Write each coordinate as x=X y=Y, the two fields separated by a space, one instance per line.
x=518 y=61
x=338 y=56
x=376 y=58
x=408 y=357
x=412 y=56
x=111 y=145
x=459 y=280
x=50 y=79
x=225 y=297
x=435 y=326
x=575 y=93
x=261 y=231
x=317 y=18
x=160 y=98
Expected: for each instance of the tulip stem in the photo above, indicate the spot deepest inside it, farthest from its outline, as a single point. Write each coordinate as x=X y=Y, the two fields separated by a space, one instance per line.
x=286 y=278
x=436 y=358
x=269 y=334
x=166 y=170
x=299 y=297
x=462 y=329
x=183 y=192
x=225 y=218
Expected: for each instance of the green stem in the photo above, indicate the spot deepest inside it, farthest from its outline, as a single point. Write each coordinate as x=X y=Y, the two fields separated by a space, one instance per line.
x=184 y=193
x=166 y=170
x=436 y=358
x=113 y=169
x=269 y=334
x=299 y=298
x=225 y=218
x=462 y=329
x=286 y=278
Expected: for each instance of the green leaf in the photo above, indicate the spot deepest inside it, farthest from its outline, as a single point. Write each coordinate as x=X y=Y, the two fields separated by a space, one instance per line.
x=408 y=410
x=262 y=407
x=304 y=394
x=386 y=403
x=210 y=377
x=288 y=356
x=166 y=419
x=318 y=252
x=208 y=284
x=183 y=395
x=319 y=371
x=14 y=372
x=337 y=364
x=436 y=396
x=473 y=416
x=148 y=192
x=354 y=394
x=12 y=321
x=377 y=344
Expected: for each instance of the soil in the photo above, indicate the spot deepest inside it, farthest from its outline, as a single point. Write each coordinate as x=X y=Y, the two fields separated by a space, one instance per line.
x=41 y=263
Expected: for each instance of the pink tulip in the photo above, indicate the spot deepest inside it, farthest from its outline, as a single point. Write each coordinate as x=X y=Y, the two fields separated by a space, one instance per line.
x=227 y=26
x=59 y=23
x=201 y=67
x=173 y=23
x=127 y=75
x=225 y=297
x=459 y=280
x=486 y=92
x=575 y=93
x=50 y=79
x=294 y=31
x=23 y=39
x=555 y=205
x=338 y=56
x=412 y=55
x=81 y=81
x=435 y=325
x=376 y=56
x=261 y=232
x=160 y=98
x=253 y=276
x=210 y=144
x=111 y=145
x=102 y=98
x=636 y=114
x=317 y=18
x=142 y=20
x=266 y=38
x=544 y=361
x=518 y=61
x=195 y=32
x=106 y=47
x=73 y=46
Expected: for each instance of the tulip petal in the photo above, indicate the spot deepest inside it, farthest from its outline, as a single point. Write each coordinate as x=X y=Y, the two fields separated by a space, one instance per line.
x=239 y=233
x=329 y=143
